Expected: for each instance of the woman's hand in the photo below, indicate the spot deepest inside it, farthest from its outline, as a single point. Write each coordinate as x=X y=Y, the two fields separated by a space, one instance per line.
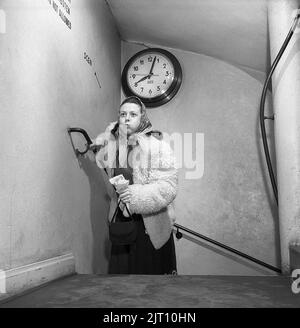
x=124 y=209
x=125 y=195
x=102 y=138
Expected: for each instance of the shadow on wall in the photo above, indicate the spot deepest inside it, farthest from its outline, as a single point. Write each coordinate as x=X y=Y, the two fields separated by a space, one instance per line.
x=98 y=214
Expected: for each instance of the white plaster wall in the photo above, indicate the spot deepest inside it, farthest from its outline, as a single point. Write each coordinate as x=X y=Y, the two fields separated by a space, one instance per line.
x=50 y=204
x=233 y=201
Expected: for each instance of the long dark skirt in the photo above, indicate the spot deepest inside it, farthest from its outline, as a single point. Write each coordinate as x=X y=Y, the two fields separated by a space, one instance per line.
x=142 y=257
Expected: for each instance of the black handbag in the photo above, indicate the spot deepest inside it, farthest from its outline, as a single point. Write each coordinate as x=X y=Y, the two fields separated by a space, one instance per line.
x=122 y=232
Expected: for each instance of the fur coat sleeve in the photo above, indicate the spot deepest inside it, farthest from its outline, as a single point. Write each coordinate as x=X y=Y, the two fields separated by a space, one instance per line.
x=161 y=187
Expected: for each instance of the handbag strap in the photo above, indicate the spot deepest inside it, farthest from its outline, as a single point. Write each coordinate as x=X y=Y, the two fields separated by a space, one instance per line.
x=116 y=210
x=112 y=220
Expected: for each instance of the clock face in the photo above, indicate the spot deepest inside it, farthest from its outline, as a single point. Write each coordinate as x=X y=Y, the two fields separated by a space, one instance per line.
x=147 y=85
x=154 y=75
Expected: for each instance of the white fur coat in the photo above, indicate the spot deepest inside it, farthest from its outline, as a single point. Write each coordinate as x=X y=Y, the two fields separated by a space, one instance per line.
x=155 y=180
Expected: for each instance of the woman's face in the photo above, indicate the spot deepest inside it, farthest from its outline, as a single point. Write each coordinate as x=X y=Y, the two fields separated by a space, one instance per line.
x=130 y=115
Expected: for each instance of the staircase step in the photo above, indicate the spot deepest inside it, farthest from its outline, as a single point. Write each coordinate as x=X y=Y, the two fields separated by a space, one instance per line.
x=109 y=291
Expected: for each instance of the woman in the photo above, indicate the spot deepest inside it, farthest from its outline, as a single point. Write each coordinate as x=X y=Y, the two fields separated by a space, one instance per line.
x=149 y=165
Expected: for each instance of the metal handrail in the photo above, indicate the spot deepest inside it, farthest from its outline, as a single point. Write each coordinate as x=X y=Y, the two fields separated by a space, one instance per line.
x=230 y=249
x=87 y=138
x=262 y=116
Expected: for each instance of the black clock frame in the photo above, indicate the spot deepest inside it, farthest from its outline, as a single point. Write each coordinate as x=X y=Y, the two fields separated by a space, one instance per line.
x=173 y=88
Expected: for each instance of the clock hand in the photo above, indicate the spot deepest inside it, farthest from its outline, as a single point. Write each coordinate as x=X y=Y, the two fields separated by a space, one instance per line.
x=150 y=73
x=143 y=78
x=151 y=70
x=145 y=74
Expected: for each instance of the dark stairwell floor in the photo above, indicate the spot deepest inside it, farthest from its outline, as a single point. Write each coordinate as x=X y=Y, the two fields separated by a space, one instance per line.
x=133 y=291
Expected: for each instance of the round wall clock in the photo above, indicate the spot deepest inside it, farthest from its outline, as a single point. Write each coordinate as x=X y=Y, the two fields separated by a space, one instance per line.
x=154 y=75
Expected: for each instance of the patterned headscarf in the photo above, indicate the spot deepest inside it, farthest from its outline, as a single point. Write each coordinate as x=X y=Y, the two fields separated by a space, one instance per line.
x=145 y=124
x=144 y=129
